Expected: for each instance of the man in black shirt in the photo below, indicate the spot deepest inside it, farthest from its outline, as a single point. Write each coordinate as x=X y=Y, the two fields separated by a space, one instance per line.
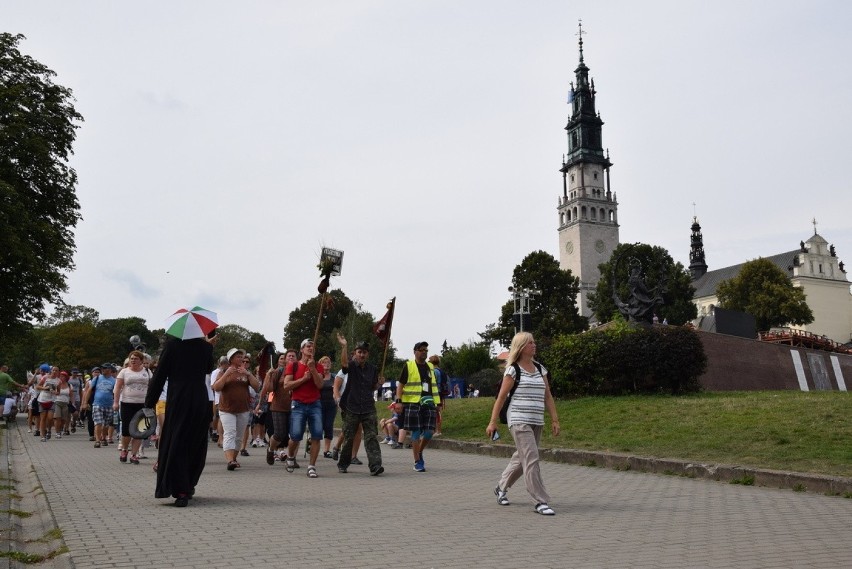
x=357 y=406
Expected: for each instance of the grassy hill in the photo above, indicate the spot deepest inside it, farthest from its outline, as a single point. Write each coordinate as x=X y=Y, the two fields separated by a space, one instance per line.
x=782 y=430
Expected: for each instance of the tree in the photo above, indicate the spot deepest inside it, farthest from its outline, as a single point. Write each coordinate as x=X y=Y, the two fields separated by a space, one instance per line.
x=357 y=327
x=234 y=336
x=658 y=267
x=67 y=313
x=303 y=322
x=553 y=313
x=37 y=187
x=120 y=330
x=763 y=290
x=467 y=359
x=77 y=343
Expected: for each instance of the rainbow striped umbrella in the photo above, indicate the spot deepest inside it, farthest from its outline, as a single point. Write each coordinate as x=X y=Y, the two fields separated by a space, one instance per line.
x=195 y=323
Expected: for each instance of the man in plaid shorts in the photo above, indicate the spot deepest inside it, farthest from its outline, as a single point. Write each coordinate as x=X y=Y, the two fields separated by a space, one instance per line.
x=102 y=414
x=417 y=399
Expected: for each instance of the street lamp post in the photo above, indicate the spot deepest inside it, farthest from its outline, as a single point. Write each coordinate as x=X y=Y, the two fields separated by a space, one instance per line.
x=521 y=298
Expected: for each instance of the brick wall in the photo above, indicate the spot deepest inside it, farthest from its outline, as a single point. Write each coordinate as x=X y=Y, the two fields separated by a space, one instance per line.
x=739 y=364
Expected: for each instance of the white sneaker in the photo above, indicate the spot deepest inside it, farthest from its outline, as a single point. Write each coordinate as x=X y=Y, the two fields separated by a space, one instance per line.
x=261 y=443
x=254 y=443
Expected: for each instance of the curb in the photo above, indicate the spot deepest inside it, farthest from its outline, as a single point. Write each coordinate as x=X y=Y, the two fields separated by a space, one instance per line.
x=732 y=474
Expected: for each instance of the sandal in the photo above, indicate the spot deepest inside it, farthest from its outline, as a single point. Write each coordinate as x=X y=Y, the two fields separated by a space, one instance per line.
x=312 y=471
x=544 y=509
x=289 y=464
x=233 y=465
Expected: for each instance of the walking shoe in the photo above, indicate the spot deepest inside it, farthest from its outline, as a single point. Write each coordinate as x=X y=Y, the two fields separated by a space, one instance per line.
x=244 y=452
x=419 y=466
x=375 y=471
x=97 y=444
x=312 y=471
x=356 y=461
x=254 y=443
x=134 y=459
x=335 y=452
x=327 y=454
x=342 y=469
x=289 y=464
x=260 y=442
x=91 y=439
x=122 y=456
x=270 y=456
x=395 y=445
x=544 y=509
x=36 y=433
x=232 y=465
x=501 y=496
x=44 y=440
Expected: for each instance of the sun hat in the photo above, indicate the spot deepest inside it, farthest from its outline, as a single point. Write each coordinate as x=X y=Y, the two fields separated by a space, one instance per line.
x=143 y=424
x=234 y=351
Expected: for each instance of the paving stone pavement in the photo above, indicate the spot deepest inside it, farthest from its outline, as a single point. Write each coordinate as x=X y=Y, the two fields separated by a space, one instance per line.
x=261 y=516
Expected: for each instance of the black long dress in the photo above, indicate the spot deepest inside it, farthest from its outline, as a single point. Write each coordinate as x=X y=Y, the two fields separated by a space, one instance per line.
x=183 y=440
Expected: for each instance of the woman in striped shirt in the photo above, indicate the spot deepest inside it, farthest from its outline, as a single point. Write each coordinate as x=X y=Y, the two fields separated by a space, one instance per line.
x=526 y=420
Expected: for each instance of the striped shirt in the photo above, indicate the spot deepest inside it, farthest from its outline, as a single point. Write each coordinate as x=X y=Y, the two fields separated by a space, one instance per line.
x=527 y=404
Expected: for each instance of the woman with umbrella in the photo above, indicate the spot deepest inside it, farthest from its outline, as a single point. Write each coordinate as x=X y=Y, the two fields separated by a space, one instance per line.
x=184 y=363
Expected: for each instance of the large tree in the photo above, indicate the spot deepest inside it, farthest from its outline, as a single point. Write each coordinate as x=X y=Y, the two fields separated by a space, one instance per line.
x=303 y=322
x=552 y=313
x=659 y=271
x=763 y=290
x=358 y=327
x=235 y=336
x=37 y=187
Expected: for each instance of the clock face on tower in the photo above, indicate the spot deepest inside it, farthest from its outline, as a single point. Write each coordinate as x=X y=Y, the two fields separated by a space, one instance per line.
x=600 y=247
x=569 y=247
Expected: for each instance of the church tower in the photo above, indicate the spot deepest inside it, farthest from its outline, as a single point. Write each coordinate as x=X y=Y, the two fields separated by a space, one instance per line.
x=588 y=209
x=697 y=264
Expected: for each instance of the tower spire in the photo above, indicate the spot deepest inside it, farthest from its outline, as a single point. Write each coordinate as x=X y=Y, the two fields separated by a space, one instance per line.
x=697 y=265
x=580 y=33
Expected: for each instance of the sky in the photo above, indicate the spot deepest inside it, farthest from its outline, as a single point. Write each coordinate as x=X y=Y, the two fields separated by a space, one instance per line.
x=225 y=144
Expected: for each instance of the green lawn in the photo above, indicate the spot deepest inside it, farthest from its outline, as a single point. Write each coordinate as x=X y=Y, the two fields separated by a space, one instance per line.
x=782 y=430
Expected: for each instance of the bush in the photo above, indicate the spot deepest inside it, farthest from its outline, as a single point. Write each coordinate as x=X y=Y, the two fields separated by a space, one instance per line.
x=622 y=358
x=486 y=380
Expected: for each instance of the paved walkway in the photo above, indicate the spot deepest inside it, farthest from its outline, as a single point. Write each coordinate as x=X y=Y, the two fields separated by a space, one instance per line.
x=260 y=516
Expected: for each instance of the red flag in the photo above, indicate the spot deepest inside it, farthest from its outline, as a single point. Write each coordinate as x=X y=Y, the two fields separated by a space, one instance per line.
x=382 y=328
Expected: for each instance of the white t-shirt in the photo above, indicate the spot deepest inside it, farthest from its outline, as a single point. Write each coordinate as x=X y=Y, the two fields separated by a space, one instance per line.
x=213 y=377
x=527 y=404
x=135 y=385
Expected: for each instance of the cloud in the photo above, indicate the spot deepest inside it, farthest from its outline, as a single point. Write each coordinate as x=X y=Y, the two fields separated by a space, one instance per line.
x=134 y=284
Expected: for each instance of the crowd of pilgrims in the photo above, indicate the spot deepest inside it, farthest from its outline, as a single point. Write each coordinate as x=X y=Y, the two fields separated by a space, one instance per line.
x=103 y=401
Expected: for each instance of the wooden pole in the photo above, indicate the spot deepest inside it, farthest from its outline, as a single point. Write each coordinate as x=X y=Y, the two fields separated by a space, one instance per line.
x=387 y=342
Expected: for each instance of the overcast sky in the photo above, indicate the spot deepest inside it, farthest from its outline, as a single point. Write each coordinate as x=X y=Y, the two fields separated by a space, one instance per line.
x=225 y=143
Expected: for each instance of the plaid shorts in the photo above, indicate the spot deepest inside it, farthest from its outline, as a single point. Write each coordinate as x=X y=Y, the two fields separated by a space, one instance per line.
x=102 y=415
x=416 y=417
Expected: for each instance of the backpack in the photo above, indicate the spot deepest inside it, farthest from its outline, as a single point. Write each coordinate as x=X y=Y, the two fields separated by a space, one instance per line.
x=505 y=409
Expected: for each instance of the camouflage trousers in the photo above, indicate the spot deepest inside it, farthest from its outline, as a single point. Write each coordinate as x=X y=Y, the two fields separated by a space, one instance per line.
x=368 y=422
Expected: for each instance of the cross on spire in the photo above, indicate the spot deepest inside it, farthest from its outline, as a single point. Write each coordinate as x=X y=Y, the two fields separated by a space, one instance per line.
x=579 y=34
x=814 y=221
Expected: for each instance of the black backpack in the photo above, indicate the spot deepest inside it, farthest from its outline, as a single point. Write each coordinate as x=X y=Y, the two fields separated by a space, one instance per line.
x=505 y=409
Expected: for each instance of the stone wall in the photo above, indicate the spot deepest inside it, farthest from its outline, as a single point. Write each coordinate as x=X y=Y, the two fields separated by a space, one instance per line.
x=739 y=364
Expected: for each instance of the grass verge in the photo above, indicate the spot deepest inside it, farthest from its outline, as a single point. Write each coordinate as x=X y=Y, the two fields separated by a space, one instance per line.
x=779 y=430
